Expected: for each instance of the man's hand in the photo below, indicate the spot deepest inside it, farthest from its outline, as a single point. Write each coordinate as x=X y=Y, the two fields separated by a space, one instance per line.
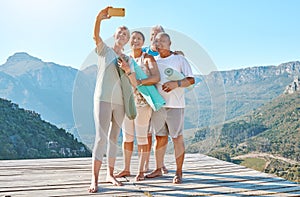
x=169 y=86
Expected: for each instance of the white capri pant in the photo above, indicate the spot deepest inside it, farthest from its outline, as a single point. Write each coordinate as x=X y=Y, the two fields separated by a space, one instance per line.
x=140 y=125
x=104 y=114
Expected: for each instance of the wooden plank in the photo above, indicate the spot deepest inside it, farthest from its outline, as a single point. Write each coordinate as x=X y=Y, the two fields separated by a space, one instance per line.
x=203 y=176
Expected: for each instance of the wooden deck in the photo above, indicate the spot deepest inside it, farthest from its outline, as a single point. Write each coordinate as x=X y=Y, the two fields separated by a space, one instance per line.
x=203 y=176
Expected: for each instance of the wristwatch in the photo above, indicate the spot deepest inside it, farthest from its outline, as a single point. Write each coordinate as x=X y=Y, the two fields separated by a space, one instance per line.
x=179 y=83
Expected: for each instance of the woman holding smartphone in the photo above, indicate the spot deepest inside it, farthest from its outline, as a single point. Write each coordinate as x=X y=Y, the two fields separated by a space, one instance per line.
x=108 y=98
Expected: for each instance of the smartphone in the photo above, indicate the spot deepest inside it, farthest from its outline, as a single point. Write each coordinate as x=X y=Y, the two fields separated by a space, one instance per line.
x=116 y=11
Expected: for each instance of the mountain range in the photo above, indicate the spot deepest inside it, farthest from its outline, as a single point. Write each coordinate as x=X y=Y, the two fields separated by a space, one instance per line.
x=43 y=87
x=225 y=95
x=63 y=95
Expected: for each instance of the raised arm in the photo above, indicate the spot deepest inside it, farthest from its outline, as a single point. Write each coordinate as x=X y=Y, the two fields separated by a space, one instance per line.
x=103 y=14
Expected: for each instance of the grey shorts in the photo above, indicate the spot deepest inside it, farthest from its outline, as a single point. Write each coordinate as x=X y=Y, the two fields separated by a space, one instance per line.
x=167 y=121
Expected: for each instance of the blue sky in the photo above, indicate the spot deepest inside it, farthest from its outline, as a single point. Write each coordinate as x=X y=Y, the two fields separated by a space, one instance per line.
x=234 y=33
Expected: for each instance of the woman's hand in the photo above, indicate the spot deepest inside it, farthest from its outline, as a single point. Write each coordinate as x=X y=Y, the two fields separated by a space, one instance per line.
x=103 y=14
x=124 y=65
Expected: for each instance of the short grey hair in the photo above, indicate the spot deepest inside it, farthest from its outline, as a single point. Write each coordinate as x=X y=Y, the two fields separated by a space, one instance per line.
x=158 y=27
x=164 y=34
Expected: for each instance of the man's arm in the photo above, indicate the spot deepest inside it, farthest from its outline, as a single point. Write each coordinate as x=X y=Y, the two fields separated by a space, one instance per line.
x=186 y=82
x=171 y=85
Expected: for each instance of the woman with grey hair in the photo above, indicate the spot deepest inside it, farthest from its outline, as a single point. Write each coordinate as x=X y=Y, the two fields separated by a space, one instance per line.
x=109 y=104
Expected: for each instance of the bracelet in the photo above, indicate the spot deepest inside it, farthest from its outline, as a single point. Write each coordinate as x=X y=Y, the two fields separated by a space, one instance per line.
x=179 y=83
x=129 y=73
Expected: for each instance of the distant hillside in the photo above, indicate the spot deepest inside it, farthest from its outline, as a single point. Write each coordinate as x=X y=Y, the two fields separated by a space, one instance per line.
x=272 y=129
x=24 y=135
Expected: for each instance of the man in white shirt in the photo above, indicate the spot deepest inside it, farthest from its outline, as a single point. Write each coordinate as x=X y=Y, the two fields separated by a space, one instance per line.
x=169 y=120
